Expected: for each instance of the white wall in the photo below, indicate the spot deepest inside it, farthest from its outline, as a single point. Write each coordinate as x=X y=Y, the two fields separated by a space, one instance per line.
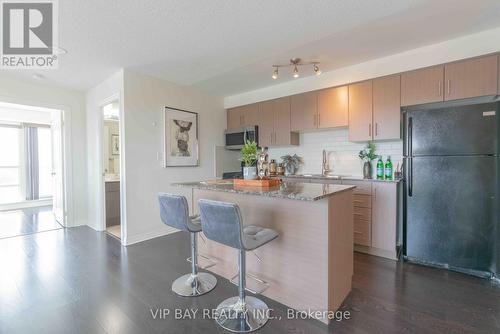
x=14 y=90
x=343 y=158
x=459 y=48
x=109 y=89
x=143 y=102
x=24 y=115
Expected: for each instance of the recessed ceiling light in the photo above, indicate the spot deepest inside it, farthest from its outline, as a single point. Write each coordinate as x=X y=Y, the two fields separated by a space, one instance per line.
x=59 y=51
x=38 y=76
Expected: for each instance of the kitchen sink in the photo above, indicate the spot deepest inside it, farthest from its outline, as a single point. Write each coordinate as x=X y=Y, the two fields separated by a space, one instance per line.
x=328 y=176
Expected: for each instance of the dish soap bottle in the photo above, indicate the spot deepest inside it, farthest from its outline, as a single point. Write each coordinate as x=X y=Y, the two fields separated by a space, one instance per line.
x=380 y=168
x=388 y=169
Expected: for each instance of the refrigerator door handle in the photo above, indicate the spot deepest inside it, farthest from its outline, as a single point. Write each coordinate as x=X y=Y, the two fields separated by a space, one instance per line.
x=410 y=177
x=410 y=156
x=410 y=136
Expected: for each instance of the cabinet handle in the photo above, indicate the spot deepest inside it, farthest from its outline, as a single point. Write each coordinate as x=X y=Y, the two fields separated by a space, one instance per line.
x=315 y=122
x=448 y=86
x=370 y=130
x=376 y=129
x=357 y=232
x=319 y=120
x=439 y=88
x=274 y=138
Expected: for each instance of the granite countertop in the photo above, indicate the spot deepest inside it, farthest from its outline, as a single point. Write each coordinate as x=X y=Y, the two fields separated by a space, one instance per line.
x=341 y=178
x=287 y=190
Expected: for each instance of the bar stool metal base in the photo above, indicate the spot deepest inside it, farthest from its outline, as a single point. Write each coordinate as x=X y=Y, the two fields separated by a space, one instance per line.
x=238 y=317
x=190 y=285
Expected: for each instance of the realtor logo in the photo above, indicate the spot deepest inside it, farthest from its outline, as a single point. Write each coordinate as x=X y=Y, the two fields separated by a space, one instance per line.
x=29 y=34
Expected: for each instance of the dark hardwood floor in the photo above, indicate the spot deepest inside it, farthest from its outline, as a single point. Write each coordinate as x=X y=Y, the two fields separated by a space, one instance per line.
x=81 y=281
x=27 y=221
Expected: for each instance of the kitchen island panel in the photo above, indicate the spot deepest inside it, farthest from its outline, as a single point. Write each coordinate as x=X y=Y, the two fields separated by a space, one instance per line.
x=309 y=266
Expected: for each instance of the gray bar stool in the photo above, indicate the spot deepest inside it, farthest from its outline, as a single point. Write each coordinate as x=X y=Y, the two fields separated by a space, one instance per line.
x=174 y=211
x=222 y=223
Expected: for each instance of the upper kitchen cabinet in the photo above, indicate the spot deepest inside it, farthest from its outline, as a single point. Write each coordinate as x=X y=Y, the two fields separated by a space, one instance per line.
x=266 y=128
x=234 y=118
x=471 y=78
x=333 y=107
x=247 y=115
x=304 y=111
x=275 y=127
x=422 y=86
x=360 y=111
x=386 y=107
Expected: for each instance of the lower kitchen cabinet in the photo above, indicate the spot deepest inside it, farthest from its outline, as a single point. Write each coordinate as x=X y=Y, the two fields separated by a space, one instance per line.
x=375 y=213
x=375 y=207
x=384 y=216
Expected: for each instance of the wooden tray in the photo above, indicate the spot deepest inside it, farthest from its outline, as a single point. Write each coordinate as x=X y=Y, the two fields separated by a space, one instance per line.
x=257 y=183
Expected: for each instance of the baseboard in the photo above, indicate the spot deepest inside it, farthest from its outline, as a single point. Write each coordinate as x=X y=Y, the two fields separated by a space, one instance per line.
x=376 y=252
x=26 y=204
x=164 y=230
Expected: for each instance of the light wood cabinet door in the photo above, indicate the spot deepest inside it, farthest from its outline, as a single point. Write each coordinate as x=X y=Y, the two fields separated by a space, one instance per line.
x=266 y=121
x=250 y=115
x=304 y=111
x=384 y=215
x=498 y=85
x=422 y=86
x=234 y=118
x=282 y=131
x=360 y=111
x=471 y=78
x=333 y=107
x=387 y=107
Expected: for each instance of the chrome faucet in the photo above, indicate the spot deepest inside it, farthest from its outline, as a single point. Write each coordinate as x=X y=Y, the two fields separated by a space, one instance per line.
x=325 y=166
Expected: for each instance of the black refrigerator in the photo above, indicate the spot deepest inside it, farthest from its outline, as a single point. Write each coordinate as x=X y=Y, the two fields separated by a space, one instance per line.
x=451 y=178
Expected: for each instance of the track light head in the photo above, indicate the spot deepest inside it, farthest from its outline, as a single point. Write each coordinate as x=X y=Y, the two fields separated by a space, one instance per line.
x=295 y=72
x=316 y=69
x=275 y=73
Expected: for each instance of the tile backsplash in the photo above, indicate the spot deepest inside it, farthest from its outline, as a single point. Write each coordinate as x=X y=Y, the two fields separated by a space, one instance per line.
x=343 y=155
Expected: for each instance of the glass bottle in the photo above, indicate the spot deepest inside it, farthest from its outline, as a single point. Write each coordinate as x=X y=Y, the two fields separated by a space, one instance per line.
x=388 y=169
x=380 y=168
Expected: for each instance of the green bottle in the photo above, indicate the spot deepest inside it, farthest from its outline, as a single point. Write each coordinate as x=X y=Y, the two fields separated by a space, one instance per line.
x=388 y=169
x=380 y=168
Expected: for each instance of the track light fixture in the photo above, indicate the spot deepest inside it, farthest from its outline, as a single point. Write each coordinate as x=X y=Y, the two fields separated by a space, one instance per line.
x=296 y=62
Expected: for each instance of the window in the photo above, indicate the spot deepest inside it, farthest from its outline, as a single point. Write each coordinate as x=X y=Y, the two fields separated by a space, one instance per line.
x=10 y=164
x=44 y=162
x=25 y=162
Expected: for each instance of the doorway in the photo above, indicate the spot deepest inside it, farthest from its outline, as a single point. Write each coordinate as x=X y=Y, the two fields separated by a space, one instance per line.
x=111 y=168
x=31 y=169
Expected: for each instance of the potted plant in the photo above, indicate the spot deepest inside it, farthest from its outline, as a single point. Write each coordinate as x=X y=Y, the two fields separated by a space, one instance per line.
x=292 y=163
x=249 y=158
x=368 y=155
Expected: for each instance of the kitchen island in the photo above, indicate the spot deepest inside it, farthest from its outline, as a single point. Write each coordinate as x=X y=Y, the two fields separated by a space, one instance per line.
x=310 y=266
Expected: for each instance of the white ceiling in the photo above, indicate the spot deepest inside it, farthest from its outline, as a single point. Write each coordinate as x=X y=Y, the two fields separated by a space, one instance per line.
x=226 y=47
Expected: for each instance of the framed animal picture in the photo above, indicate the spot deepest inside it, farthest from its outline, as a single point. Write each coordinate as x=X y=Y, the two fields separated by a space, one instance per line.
x=180 y=138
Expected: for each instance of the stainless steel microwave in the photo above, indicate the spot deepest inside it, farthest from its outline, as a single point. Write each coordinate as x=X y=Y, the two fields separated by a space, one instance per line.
x=236 y=138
